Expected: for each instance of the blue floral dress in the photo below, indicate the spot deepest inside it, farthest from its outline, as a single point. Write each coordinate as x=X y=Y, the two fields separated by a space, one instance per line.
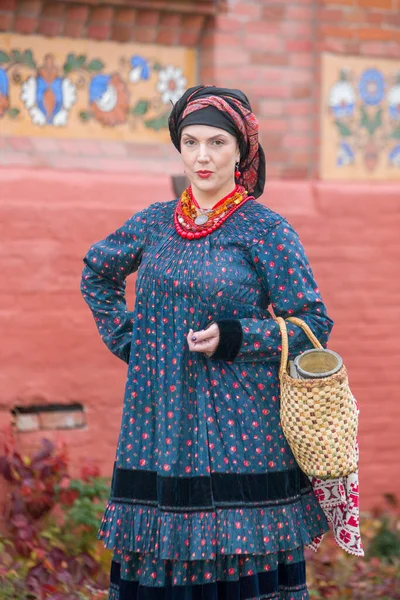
x=207 y=500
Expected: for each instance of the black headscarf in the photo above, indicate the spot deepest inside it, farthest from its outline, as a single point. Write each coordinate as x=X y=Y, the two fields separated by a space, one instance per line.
x=226 y=109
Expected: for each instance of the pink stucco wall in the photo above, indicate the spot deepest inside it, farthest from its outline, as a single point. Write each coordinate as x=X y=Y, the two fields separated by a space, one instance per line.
x=51 y=351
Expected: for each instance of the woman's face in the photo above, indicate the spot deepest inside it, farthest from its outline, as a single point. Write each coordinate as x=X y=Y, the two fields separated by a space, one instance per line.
x=209 y=156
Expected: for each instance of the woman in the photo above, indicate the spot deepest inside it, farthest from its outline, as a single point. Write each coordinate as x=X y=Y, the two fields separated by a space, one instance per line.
x=207 y=501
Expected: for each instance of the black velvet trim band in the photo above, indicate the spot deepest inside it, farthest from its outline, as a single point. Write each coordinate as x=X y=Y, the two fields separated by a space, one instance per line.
x=230 y=339
x=249 y=586
x=208 y=492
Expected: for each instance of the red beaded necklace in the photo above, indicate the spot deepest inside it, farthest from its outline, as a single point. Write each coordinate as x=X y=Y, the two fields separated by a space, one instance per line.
x=193 y=222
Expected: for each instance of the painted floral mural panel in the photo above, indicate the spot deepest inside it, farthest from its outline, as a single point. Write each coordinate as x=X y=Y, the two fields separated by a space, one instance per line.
x=360 y=118
x=68 y=88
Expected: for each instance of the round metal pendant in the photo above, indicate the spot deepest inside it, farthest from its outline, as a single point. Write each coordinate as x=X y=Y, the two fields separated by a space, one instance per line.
x=201 y=220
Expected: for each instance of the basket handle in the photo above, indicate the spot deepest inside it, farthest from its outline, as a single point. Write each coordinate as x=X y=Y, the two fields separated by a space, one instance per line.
x=285 y=339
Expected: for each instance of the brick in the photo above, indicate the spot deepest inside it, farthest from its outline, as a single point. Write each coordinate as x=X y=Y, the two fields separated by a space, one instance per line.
x=295 y=172
x=344 y=2
x=112 y=148
x=266 y=90
x=302 y=91
x=99 y=32
x=299 y=13
x=49 y=27
x=271 y=108
x=44 y=145
x=9 y=5
x=120 y=33
x=300 y=124
x=275 y=125
x=272 y=13
x=330 y=14
x=357 y=16
x=53 y=10
x=219 y=39
x=102 y=14
x=88 y=147
x=225 y=56
x=6 y=20
x=392 y=20
x=337 y=32
x=295 y=141
x=20 y=144
x=331 y=45
x=265 y=43
x=274 y=171
x=147 y=18
x=298 y=30
x=381 y=4
x=189 y=38
x=144 y=34
x=74 y=29
x=228 y=24
x=125 y=16
x=25 y=24
x=193 y=21
x=274 y=154
x=260 y=28
x=377 y=18
x=29 y=7
x=373 y=49
x=266 y=58
x=172 y=20
x=77 y=13
x=376 y=34
x=69 y=147
x=301 y=60
x=248 y=10
x=167 y=36
x=298 y=46
x=299 y=108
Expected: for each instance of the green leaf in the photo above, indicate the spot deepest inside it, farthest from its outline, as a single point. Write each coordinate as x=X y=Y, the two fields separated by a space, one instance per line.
x=70 y=63
x=343 y=129
x=13 y=112
x=28 y=59
x=4 y=58
x=95 y=65
x=376 y=122
x=157 y=67
x=364 y=118
x=16 y=55
x=80 y=61
x=140 y=108
x=158 y=123
x=85 y=115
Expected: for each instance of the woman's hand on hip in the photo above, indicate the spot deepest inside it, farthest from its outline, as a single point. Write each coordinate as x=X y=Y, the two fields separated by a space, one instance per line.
x=205 y=340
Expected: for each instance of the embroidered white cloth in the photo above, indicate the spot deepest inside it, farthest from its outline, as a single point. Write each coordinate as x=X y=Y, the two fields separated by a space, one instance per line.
x=339 y=499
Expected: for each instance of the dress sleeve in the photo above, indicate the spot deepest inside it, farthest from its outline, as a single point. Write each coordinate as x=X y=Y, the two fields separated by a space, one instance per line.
x=291 y=290
x=107 y=264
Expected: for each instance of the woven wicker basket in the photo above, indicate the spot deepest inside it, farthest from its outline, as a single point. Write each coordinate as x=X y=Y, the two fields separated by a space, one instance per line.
x=319 y=416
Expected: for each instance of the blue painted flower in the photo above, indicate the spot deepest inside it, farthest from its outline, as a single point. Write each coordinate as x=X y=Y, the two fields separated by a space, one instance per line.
x=48 y=97
x=140 y=69
x=4 y=102
x=109 y=99
x=345 y=155
x=394 y=156
x=371 y=87
x=394 y=102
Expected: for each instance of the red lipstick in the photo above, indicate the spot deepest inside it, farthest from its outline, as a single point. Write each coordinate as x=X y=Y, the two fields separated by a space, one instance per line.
x=204 y=174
